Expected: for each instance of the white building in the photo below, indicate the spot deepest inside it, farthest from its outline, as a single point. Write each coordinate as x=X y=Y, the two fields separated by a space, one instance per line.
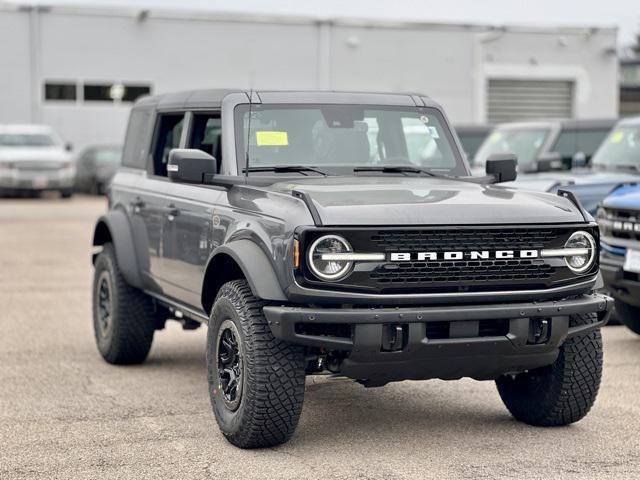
x=67 y=66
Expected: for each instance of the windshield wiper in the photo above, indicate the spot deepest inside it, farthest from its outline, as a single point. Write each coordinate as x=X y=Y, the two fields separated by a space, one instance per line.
x=396 y=169
x=285 y=169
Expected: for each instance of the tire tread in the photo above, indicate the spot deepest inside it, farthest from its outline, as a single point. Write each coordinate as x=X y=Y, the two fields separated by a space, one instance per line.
x=275 y=375
x=564 y=392
x=135 y=317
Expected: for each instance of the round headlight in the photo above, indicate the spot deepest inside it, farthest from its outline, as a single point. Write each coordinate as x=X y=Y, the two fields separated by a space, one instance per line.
x=585 y=243
x=329 y=269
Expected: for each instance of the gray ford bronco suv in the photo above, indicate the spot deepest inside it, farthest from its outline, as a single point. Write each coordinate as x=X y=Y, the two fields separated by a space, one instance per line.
x=341 y=233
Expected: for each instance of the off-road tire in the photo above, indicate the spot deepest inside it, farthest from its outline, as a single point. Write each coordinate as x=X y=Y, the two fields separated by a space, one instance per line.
x=273 y=373
x=628 y=315
x=133 y=317
x=561 y=393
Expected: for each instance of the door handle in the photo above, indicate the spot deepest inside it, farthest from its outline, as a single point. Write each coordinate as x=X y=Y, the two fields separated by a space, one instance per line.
x=172 y=212
x=137 y=204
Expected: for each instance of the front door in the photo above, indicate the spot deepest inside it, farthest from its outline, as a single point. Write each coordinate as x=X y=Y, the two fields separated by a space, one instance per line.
x=189 y=222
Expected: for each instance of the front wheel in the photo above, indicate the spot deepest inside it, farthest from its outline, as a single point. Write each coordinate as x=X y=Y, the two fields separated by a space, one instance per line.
x=256 y=382
x=561 y=393
x=629 y=315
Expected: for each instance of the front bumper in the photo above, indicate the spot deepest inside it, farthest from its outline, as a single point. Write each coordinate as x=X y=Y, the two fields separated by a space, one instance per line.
x=30 y=180
x=466 y=345
x=624 y=286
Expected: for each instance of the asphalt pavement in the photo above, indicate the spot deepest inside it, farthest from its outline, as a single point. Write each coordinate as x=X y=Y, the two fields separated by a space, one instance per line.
x=66 y=414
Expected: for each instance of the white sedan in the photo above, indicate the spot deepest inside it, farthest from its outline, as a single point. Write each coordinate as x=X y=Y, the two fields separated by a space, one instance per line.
x=33 y=159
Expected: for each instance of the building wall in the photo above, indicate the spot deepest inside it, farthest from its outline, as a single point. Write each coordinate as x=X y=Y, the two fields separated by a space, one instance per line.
x=15 y=81
x=587 y=58
x=183 y=51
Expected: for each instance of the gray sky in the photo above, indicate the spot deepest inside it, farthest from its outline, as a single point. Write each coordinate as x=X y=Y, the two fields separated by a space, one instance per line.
x=622 y=13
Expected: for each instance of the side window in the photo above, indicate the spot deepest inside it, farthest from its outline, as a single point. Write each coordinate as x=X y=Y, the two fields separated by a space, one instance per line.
x=206 y=134
x=168 y=132
x=136 y=142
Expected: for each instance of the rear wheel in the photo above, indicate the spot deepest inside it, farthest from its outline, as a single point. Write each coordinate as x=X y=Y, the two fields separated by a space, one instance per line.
x=561 y=393
x=629 y=315
x=66 y=193
x=124 y=318
x=256 y=382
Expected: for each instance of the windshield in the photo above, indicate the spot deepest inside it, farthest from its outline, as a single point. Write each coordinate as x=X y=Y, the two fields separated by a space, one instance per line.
x=339 y=138
x=524 y=143
x=26 y=140
x=620 y=149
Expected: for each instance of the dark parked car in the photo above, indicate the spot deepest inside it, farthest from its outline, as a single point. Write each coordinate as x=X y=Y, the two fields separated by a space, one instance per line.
x=95 y=168
x=309 y=245
x=471 y=137
x=619 y=219
x=546 y=145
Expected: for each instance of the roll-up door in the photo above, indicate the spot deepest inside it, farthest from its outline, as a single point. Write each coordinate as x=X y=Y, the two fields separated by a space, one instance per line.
x=512 y=100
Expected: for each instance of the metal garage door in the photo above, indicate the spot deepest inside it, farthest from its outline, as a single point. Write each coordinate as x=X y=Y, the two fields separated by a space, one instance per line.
x=510 y=100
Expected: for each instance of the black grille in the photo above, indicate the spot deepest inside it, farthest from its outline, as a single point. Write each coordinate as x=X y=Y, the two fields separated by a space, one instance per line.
x=463 y=239
x=461 y=271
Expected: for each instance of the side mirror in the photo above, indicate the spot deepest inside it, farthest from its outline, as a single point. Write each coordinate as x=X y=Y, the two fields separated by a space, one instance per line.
x=190 y=165
x=502 y=166
x=547 y=162
x=68 y=146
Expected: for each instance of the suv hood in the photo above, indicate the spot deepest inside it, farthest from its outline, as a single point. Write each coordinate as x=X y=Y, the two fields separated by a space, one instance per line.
x=627 y=198
x=590 y=186
x=392 y=200
x=17 y=154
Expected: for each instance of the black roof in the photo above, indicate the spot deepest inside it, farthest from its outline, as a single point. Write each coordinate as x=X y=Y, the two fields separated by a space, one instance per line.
x=212 y=98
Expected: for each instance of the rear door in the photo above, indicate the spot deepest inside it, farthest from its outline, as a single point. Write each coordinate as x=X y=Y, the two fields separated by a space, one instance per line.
x=150 y=203
x=187 y=233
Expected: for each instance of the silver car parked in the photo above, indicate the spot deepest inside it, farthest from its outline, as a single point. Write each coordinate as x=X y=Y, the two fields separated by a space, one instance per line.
x=33 y=159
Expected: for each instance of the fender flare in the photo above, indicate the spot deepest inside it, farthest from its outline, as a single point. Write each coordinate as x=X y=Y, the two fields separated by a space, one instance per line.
x=115 y=227
x=255 y=266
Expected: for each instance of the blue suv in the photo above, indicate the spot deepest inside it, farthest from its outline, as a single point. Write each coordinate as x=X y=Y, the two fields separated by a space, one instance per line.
x=619 y=219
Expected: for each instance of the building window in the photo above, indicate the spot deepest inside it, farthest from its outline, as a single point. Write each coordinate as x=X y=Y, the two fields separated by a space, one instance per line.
x=97 y=93
x=133 y=92
x=60 y=91
x=110 y=92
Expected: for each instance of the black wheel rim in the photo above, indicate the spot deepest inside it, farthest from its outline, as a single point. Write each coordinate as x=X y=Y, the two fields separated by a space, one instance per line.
x=104 y=304
x=229 y=364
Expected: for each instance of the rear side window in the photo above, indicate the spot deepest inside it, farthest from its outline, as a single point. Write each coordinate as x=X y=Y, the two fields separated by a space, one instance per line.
x=136 y=142
x=168 y=132
x=571 y=142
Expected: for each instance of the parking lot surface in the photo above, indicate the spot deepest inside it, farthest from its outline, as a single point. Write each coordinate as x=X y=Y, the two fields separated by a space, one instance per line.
x=64 y=413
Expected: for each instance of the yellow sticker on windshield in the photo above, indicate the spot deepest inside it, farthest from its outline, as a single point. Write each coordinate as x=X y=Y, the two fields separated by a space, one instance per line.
x=495 y=137
x=617 y=137
x=272 y=139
